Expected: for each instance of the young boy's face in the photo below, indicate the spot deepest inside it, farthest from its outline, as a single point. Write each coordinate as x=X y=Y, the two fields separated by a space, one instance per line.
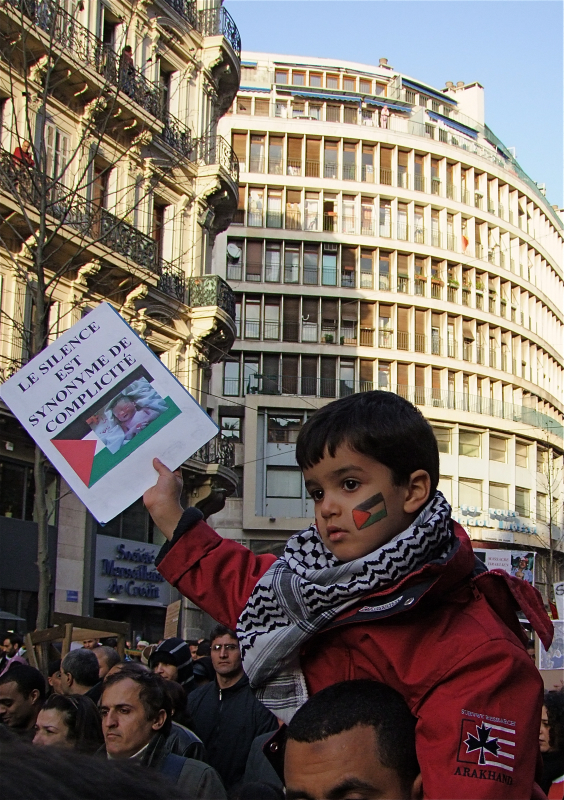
x=124 y=410
x=357 y=506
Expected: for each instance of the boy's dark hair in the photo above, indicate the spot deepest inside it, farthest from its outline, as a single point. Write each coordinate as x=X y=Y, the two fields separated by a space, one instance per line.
x=554 y=702
x=380 y=425
x=219 y=631
x=27 y=679
x=83 y=666
x=345 y=705
x=81 y=718
x=152 y=692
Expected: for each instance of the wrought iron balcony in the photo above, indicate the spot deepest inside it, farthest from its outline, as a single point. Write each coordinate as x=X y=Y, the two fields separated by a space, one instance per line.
x=186 y=9
x=214 y=149
x=218 y=22
x=211 y=290
x=172 y=280
x=34 y=189
x=176 y=135
x=218 y=450
x=67 y=33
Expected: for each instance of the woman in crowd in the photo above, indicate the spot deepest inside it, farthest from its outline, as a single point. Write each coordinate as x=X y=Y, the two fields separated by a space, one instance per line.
x=551 y=741
x=69 y=721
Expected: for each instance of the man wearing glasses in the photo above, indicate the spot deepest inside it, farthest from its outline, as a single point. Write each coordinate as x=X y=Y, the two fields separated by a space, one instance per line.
x=225 y=713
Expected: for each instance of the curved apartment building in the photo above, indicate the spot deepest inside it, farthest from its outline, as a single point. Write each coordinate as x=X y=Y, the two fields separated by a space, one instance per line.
x=385 y=238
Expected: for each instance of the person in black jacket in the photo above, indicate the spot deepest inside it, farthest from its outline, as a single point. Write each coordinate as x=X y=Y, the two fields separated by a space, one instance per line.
x=225 y=713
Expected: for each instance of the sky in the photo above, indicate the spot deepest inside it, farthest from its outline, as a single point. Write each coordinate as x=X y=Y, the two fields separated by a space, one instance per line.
x=514 y=48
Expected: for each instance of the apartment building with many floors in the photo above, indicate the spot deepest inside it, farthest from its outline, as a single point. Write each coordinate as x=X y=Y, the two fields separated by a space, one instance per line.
x=386 y=238
x=130 y=181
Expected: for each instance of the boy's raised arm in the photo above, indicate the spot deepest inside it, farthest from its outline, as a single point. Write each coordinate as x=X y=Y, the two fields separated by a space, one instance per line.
x=215 y=573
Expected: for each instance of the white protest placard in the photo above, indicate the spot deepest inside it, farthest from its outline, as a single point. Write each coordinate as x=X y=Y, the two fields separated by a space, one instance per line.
x=101 y=406
x=559 y=598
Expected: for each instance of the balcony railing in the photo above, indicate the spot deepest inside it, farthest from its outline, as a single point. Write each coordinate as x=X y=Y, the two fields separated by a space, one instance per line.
x=176 y=135
x=172 y=280
x=186 y=9
x=213 y=149
x=218 y=450
x=211 y=290
x=66 y=32
x=218 y=22
x=420 y=395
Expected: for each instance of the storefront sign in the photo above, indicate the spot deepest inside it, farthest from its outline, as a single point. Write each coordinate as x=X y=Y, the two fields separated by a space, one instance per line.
x=504 y=523
x=126 y=573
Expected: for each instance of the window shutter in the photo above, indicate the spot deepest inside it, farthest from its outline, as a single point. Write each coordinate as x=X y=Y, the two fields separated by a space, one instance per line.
x=366 y=371
x=420 y=377
x=403 y=374
x=419 y=321
x=403 y=319
x=329 y=310
x=291 y=319
x=313 y=147
x=309 y=367
x=402 y=158
x=367 y=315
x=239 y=144
x=349 y=311
x=403 y=268
x=295 y=148
x=467 y=331
x=254 y=257
x=310 y=309
x=385 y=158
x=328 y=368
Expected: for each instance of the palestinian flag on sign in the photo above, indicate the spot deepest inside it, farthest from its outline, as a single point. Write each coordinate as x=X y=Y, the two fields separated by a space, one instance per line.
x=94 y=443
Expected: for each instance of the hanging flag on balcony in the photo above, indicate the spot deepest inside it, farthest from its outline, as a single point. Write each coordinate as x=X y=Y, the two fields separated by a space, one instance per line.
x=465 y=243
x=102 y=406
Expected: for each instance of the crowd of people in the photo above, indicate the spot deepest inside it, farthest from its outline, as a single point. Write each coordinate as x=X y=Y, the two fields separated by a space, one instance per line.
x=190 y=716
x=376 y=658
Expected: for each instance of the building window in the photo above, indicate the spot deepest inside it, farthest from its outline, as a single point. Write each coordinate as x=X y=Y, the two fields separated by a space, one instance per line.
x=521 y=454
x=332 y=81
x=272 y=262
x=283 y=482
x=443 y=437
x=231 y=428
x=17 y=489
x=283 y=430
x=134 y=524
x=469 y=444
x=311 y=261
x=445 y=486
x=365 y=86
x=281 y=76
x=349 y=84
x=470 y=492
x=522 y=502
x=498 y=449
x=499 y=496
x=298 y=78
x=542 y=460
x=541 y=507
x=231 y=378
x=329 y=267
x=315 y=79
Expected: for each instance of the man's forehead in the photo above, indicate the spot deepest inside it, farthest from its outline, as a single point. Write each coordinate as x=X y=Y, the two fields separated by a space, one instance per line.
x=10 y=689
x=121 y=692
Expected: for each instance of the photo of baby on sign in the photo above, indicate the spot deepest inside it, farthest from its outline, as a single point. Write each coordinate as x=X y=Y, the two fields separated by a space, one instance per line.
x=126 y=414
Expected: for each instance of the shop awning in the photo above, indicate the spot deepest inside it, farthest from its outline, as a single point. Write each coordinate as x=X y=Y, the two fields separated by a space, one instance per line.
x=457 y=126
x=420 y=87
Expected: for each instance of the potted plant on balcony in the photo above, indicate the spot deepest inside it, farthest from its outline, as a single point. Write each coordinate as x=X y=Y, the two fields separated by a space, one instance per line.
x=479 y=286
x=453 y=283
x=328 y=338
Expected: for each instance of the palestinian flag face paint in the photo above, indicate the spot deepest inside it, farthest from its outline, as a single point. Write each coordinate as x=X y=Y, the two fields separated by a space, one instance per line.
x=370 y=511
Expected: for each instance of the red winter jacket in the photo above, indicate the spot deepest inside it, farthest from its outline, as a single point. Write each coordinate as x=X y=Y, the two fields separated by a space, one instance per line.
x=446 y=638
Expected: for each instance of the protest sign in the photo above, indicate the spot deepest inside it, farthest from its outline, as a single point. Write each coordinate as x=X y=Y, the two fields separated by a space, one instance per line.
x=519 y=563
x=101 y=406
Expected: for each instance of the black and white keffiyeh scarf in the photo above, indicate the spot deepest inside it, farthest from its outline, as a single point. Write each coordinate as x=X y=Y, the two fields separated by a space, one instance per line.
x=307 y=587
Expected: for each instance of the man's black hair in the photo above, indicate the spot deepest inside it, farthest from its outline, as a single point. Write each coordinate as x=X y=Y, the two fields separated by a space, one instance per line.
x=83 y=666
x=380 y=425
x=27 y=679
x=554 y=702
x=153 y=692
x=14 y=638
x=221 y=630
x=49 y=772
x=345 y=705
x=204 y=649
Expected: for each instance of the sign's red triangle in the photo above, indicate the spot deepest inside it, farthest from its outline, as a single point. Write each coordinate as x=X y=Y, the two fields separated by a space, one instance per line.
x=79 y=453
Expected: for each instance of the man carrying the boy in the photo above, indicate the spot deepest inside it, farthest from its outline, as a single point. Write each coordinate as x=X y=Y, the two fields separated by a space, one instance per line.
x=385 y=587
